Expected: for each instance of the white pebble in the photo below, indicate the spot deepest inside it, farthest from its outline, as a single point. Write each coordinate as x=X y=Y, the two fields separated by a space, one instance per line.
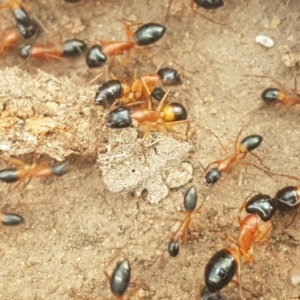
x=265 y=41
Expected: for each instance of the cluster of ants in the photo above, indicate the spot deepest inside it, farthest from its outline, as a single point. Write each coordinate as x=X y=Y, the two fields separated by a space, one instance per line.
x=133 y=101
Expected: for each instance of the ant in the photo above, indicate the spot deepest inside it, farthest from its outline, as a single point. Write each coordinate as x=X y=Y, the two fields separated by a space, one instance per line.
x=241 y=150
x=145 y=35
x=69 y=48
x=164 y=117
x=190 y=203
x=29 y=171
x=120 y=278
x=224 y=264
x=27 y=27
x=114 y=90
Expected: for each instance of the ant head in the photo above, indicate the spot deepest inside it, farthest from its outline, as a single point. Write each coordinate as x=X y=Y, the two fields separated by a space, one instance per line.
x=251 y=142
x=262 y=205
x=173 y=248
x=174 y=112
x=149 y=34
x=169 y=76
x=190 y=199
x=212 y=176
x=11 y=219
x=25 y=51
x=287 y=199
x=95 y=57
x=73 y=47
x=207 y=295
x=119 y=118
x=209 y=4
x=108 y=93
x=158 y=93
x=61 y=170
x=270 y=95
x=29 y=31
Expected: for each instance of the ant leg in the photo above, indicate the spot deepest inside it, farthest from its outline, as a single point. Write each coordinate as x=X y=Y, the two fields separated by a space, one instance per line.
x=215 y=135
x=168 y=10
x=244 y=288
x=294 y=216
x=163 y=101
x=260 y=160
x=149 y=102
x=134 y=291
x=175 y=123
x=16 y=161
x=236 y=143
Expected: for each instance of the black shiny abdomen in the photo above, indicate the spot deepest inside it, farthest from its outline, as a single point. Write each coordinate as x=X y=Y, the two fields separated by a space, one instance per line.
x=149 y=34
x=270 y=95
x=73 y=47
x=21 y=16
x=60 y=170
x=72 y=1
x=25 y=51
x=190 y=199
x=251 y=142
x=179 y=111
x=169 y=76
x=209 y=4
x=212 y=176
x=173 y=248
x=10 y=219
x=9 y=175
x=287 y=198
x=95 y=57
x=119 y=118
x=120 y=278
x=262 y=205
x=109 y=92
x=220 y=270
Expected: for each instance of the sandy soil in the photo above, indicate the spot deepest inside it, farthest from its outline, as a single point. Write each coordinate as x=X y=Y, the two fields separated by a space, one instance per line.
x=74 y=224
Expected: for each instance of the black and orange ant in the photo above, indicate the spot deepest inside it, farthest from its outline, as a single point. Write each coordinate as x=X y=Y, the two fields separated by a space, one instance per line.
x=29 y=171
x=26 y=26
x=145 y=35
x=246 y=145
x=124 y=92
x=190 y=203
x=47 y=51
x=224 y=264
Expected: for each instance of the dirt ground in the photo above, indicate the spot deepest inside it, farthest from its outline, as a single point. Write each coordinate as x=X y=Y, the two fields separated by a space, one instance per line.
x=74 y=224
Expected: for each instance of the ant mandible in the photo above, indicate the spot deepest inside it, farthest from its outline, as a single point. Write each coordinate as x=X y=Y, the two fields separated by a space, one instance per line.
x=69 y=48
x=116 y=91
x=241 y=150
x=190 y=203
x=145 y=35
x=29 y=171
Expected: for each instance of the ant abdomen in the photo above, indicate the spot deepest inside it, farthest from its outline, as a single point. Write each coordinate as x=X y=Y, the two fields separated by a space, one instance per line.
x=209 y=4
x=174 y=112
x=251 y=142
x=270 y=95
x=149 y=34
x=220 y=270
x=287 y=198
